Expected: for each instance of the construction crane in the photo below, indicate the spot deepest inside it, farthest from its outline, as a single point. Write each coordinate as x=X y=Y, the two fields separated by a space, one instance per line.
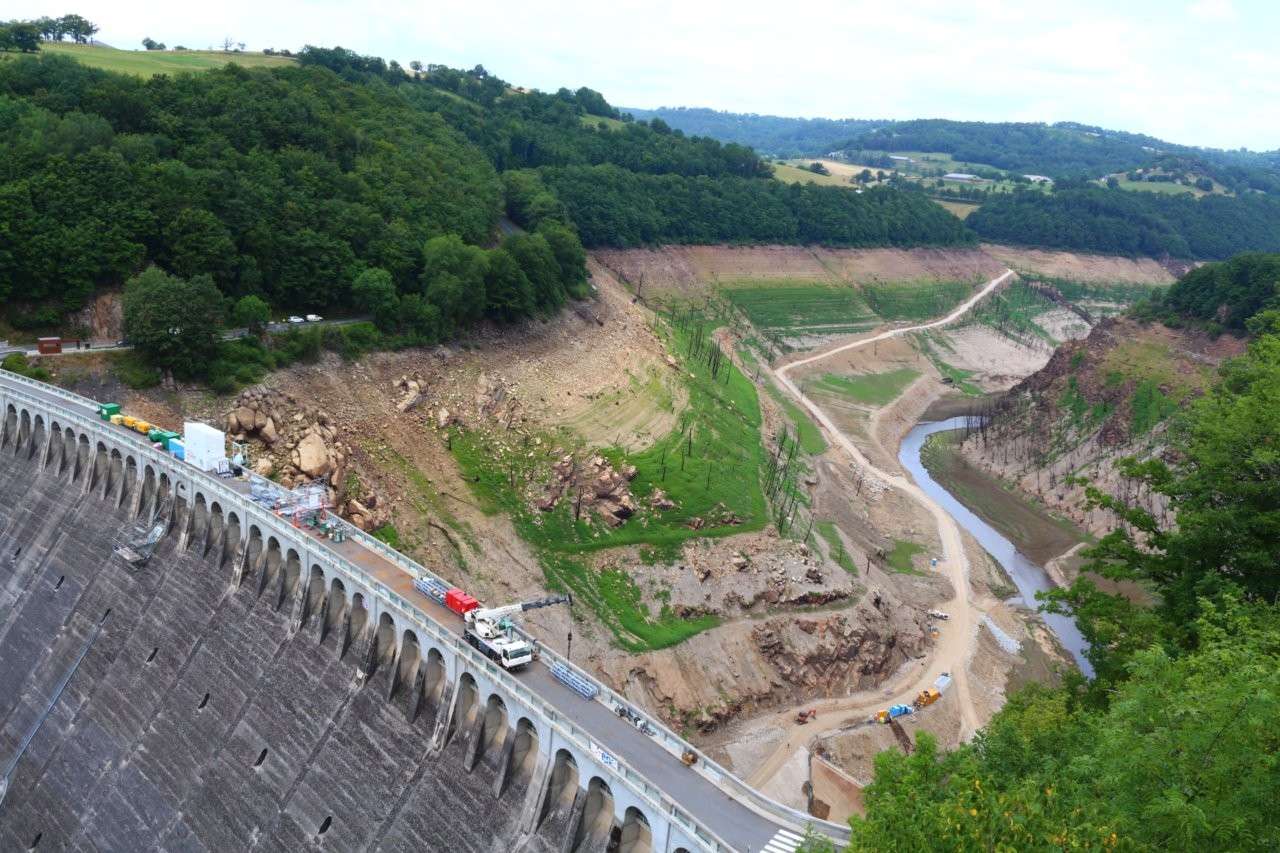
x=490 y=630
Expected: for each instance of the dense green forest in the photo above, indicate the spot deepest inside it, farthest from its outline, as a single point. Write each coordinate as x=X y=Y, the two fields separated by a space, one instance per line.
x=289 y=183
x=1228 y=293
x=1175 y=744
x=774 y=136
x=614 y=207
x=1113 y=221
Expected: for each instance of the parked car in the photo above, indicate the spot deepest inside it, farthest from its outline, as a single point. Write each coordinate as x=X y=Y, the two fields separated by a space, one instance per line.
x=295 y=319
x=314 y=318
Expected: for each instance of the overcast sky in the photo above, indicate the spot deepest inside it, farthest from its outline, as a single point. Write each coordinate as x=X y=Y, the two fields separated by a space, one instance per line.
x=1204 y=72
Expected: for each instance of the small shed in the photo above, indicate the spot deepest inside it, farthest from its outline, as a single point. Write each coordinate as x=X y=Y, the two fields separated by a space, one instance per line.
x=49 y=346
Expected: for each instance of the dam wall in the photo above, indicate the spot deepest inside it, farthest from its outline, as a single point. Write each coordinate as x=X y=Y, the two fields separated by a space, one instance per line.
x=247 y=687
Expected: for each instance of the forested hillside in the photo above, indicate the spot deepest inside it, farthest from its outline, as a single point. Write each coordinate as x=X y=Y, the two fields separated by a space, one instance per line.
x=290 y=183
x=1228 y=293
x=1114 y=221
x=1175 y=744
x=775 y=136
x=614 y=207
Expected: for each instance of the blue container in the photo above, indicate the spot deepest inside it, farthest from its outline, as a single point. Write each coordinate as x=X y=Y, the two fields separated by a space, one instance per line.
x=177 y=449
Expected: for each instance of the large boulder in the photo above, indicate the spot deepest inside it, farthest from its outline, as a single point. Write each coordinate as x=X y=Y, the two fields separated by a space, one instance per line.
x=313 y=456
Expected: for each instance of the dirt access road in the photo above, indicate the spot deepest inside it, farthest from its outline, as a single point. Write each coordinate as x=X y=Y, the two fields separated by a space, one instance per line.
x=956 y=644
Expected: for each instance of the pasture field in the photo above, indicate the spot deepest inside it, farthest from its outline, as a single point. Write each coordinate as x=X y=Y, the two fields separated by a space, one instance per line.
x=795 y=174
x=596 y=121
x=961 y=209
x=146 y=63
x=915 y=300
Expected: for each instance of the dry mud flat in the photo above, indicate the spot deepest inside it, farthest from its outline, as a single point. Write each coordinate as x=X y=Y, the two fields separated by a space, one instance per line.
x=695 y=270
x=1103 y=269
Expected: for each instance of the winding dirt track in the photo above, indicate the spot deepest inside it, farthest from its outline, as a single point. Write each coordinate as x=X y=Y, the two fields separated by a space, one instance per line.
x=954 y=648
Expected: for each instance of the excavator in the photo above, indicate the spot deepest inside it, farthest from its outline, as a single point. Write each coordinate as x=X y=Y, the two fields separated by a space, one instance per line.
x=490 y=630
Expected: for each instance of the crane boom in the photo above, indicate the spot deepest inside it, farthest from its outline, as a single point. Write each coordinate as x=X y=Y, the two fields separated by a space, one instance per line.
x=493 y=614
x=489 y=630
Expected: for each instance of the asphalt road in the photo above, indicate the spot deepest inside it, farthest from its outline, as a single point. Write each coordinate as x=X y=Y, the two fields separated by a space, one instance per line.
x=229 y=335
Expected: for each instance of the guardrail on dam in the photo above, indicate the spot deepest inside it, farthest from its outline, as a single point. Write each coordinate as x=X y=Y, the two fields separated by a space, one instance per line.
x=587 y=779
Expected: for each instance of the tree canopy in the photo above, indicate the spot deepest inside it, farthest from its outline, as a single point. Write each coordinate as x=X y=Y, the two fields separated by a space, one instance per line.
x=1118 y=222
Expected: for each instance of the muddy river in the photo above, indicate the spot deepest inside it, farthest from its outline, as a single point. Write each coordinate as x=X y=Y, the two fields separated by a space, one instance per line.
x=1028 y=576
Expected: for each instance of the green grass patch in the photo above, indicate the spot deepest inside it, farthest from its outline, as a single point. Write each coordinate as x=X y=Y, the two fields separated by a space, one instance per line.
x=1013 y=312
x=915 y=300
x=387 y=533
x=835 y=546
x=877 y=389
x=1153 y=360
x=662 y=553
x=1084 y=416
x=1099 y=298
x=801 y=307
x=899 y=559
x=427 y=501
x=597 y=121
x=1149 y=407
x=147 y=63
x=811 y=440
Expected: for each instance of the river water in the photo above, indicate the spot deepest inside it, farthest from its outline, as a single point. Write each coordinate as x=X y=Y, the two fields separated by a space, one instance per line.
x=1027 y=576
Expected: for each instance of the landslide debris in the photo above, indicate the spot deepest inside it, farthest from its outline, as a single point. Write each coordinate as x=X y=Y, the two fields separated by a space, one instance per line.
x=296 y=444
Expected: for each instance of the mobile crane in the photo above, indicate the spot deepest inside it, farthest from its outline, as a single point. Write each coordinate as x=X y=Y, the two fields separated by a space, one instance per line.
x=489 y=629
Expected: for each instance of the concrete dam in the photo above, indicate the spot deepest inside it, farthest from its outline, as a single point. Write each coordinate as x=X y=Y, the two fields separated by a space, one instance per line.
x=253 y=686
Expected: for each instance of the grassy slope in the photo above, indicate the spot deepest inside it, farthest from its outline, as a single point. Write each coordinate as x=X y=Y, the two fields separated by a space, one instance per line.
x=876 y=389
x=915 y=300
x=145 y=63
x=710 y=466
x=801 y=307
x=596 y=121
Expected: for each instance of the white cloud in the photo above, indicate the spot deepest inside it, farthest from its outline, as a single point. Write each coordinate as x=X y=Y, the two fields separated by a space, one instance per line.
x=1203 y=73
x=1213 y=10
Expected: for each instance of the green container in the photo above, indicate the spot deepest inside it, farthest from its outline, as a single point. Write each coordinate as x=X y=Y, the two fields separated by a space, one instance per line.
x=106 y=410
x=167 y=436
x=155 y=435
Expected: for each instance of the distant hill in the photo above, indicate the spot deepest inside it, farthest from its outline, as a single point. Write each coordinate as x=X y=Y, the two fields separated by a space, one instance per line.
x=1067 y=148
x=774 y=136
x=1062 y=149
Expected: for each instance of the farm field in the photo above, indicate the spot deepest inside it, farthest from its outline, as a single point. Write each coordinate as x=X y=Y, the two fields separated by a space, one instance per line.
x=797 y=174
x=146 y=63
x=960 y=209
